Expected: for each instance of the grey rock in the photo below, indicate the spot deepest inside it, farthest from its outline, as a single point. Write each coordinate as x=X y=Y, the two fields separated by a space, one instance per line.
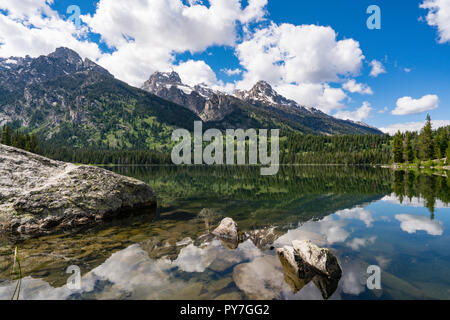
x=306 y=262
x=296 y=266
x=217 y=107
x=231 y=237
x=39 y=195
x=322 y=259
x=263 y=238
x=227 y=230
x=296 y=273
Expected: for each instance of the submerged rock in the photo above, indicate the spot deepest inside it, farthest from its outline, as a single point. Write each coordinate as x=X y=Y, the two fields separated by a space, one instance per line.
x=263 y=238
x=227 y=230
x=39 y=195
x=231 y=237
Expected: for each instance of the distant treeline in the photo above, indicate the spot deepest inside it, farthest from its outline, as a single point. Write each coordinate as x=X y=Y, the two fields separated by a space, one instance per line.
x=342 y=149
x=109 y=157
x=28 y=142
x=411 y=147
x=294 y=149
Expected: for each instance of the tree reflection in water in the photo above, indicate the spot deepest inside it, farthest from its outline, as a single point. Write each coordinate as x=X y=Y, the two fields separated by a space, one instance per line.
x=429 y=187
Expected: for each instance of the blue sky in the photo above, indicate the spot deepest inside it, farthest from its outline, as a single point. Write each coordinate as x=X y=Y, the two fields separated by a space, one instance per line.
x=413 y=50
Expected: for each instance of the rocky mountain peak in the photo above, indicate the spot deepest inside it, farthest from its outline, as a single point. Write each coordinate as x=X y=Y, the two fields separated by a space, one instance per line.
x=160 y=81
x=18 y=73
x=173 y=77
x=204 y=90
x=206 y=103
x=165 y=78
x=260 y=91
x=67 y=55
x=264 y=87
x=263 y=93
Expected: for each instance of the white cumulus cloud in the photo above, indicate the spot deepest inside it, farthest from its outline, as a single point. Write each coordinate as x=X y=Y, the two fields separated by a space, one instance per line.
x=408 y=105
x=231 y=72
x=439 y=16
x=359 y=114
x=300 y=62
x=354 y=87
x=377 y=68
x=33 y=28
x=148 y=33
x=194 y=72
x=413 y=126
x=318 y=95
x=143 y=35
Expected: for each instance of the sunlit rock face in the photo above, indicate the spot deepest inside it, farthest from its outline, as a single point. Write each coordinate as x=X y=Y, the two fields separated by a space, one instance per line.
x=227 y=230
x=305 y=262
x=39 y=195
x=321 y=259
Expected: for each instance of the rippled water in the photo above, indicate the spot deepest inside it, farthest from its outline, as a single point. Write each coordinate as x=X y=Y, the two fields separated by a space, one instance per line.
x=367 y=216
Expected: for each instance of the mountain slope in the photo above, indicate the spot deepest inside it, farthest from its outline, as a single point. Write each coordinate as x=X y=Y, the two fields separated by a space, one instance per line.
x=247 y=109
x=73 y=102
x=89 y=108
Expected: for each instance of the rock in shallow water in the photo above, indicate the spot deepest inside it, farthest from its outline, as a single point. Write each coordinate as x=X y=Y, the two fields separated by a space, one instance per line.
x=321 y=259
x=227 y=230
x=305 y=262
x=39 y=195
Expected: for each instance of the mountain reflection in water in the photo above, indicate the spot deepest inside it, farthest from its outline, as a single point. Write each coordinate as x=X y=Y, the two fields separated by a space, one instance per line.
x=366 y=216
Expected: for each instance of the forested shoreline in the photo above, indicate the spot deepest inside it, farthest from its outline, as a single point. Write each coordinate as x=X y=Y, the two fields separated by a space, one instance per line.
x=427 y=148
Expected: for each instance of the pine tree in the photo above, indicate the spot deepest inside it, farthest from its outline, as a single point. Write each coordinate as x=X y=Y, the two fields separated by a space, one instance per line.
x=448 y=154
x=3 y=139
x=34 y=145
x=426 y=141
x=6 y=135
x=27 y=139
x=397 y=147
x=437 y=147
x=20 y=141
x=14 y=139
x=409 y=151
x=443 y=141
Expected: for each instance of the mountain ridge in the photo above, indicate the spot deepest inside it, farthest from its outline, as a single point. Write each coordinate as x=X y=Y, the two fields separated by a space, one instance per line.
x=215 y=106
x=78 y=103
x=74 y=102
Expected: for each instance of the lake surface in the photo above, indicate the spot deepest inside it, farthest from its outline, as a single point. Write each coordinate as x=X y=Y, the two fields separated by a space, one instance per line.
x=397 y=221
